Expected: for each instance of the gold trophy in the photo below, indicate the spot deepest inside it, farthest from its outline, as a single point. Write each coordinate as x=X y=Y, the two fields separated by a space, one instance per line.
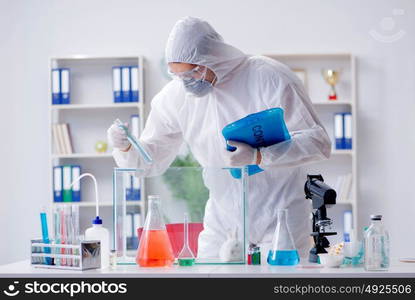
x=331 y=77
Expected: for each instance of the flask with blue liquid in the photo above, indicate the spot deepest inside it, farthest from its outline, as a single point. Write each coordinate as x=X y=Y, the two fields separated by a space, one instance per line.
x=283 y=251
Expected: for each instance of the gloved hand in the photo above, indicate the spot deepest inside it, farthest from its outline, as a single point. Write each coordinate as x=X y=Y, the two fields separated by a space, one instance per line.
x=242 y=156
x=118 y=138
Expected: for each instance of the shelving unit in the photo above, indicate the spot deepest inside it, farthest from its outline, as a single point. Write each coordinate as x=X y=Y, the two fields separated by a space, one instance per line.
x=103 y=204
x=82 y=155
x=341 y=161
x=87 y=106
x=89 y=114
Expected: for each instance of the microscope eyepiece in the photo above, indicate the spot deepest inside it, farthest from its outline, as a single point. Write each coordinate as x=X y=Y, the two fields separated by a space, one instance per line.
x=319 y=192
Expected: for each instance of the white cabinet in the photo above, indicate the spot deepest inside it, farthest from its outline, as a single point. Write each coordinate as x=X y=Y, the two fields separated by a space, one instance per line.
x=90 y=112
x=341 y=162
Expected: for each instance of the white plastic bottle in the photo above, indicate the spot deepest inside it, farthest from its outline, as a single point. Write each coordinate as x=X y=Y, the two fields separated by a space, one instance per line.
x=98 y=232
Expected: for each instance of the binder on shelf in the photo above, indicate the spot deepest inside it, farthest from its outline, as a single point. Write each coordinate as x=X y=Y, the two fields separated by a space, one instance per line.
x=56 y=139
x=76 y=188
x=135 y=126
x=136 y=225
x=134 y=83
x=347 y=225
x=135 y=188
x=128 y=187
x=116 y=84
x=67 y=180
x=65 y=86
x=57 y=184
x=67 y=138
x=129 y=230
x=343 y=187
x=347 y=120
x=125 y=84
x=137 y=221
x=339 y=131
x=61 y=139
x=56 y=88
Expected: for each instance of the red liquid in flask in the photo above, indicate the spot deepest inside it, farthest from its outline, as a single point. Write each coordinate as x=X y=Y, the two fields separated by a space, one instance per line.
x=155 y=249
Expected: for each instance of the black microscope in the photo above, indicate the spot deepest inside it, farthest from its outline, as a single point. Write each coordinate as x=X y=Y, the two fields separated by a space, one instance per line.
x=321 y=195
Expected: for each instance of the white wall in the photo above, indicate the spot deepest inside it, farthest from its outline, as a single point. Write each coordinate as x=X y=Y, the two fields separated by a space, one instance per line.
x=33 y=31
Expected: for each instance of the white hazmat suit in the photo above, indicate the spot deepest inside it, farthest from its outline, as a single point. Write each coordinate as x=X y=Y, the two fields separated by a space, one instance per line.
x=245 y=84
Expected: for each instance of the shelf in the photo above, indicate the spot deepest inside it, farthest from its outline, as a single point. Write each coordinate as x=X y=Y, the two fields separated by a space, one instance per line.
x=83 y=204
x=89 y=57
x=82 y=155
x=332 y=103
x=310 y=55
x=343 y=202
x=132 y=203
x=95 y=106
x=92 y=204
x=342 y=152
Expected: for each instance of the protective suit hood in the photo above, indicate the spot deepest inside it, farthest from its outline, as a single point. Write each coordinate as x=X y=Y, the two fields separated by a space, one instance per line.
x=194 y=41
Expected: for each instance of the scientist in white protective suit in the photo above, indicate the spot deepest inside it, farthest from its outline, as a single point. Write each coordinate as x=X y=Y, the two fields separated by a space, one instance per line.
x=217 y=84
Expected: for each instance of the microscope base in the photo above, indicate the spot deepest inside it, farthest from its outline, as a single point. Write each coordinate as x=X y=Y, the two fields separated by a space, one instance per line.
x=314 y=252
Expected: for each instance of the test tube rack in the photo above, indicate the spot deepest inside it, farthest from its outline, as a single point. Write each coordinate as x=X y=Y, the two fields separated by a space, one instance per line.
x=83 y=256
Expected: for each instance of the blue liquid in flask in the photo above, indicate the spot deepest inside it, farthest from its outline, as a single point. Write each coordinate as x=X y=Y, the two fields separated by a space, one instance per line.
x=283 y=257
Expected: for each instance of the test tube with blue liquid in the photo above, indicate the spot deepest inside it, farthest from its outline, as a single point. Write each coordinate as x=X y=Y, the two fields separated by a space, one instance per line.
x=45 y=234
x=135 y=143
x=283 y=251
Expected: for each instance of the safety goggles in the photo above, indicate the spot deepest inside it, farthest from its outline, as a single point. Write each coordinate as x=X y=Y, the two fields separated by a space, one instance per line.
x=198 y=72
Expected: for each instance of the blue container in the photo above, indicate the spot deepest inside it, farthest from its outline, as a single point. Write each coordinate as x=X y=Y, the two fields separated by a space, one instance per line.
x=260 y=129
x=283 y=257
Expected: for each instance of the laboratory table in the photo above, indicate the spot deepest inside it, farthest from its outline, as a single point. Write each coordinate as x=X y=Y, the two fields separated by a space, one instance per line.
x=23 y=269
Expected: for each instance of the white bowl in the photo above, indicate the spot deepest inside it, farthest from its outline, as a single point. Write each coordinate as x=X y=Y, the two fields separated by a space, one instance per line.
x=331 y=261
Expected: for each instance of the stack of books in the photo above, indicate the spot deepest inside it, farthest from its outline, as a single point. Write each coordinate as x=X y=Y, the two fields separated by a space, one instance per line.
x=62 y=138
x=343 y=187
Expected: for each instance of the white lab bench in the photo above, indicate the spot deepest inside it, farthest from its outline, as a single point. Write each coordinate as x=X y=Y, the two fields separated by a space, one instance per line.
x=23 y=269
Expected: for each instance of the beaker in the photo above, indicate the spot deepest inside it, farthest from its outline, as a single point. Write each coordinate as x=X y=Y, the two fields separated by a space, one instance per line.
x=155 y=249
x=283 y=251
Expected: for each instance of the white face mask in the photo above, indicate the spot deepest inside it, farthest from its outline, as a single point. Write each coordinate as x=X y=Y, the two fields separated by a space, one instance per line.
x=198 y=87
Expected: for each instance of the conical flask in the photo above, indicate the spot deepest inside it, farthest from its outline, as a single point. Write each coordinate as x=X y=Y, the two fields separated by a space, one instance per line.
x=283 y=251
x=155 y=249
x=186 y=256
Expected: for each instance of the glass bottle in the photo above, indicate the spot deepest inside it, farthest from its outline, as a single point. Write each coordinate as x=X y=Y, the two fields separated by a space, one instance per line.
x=155 y=249
x=254 y=255
x=113 y=259
x=283 y=251
x=376 y=243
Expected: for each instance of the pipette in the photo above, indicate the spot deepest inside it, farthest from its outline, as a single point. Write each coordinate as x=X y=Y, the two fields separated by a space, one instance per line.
x=136 y=144
x=186 y=256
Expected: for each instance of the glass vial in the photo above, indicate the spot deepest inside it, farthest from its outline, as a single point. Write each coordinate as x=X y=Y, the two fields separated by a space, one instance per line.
x=376 y=244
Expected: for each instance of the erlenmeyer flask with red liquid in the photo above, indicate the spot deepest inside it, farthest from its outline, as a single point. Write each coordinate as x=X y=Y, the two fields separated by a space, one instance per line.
x=155 y=249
